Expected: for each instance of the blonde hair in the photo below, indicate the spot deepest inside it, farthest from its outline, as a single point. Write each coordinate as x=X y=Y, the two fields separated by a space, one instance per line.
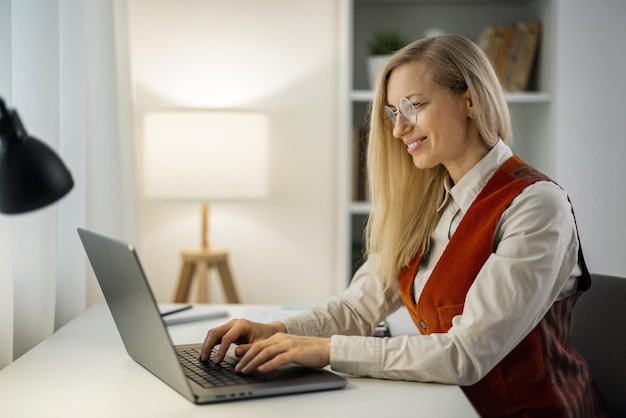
x=404 y=198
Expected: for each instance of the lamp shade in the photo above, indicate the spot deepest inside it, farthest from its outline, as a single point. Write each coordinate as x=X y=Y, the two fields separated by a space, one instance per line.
x=31 y=173
x=205 y=155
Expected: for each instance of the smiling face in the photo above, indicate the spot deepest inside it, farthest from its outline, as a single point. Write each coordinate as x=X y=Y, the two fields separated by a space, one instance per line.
x=444 y=132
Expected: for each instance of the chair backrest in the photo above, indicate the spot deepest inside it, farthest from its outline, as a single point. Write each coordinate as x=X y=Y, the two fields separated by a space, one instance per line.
x=599 y=333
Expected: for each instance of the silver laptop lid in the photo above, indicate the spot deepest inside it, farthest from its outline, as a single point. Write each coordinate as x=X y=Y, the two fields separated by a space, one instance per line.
x=134 y=308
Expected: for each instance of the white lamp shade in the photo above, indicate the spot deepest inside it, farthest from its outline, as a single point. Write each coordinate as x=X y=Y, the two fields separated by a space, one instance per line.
x=205 y=155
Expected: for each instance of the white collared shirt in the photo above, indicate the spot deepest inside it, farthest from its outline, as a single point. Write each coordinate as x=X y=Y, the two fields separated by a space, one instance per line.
x=534 y=263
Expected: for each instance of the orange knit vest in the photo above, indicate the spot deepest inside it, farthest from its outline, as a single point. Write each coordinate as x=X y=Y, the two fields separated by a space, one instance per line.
x=544 y=376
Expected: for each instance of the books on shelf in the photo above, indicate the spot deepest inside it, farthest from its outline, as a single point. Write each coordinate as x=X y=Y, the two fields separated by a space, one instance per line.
x=359 y=155
x=512 y=50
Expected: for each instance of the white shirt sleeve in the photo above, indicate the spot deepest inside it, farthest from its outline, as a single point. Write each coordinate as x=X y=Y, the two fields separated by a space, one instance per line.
x=535 y=254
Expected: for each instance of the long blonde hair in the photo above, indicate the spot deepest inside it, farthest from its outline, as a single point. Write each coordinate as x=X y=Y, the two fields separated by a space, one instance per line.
x=405 y=198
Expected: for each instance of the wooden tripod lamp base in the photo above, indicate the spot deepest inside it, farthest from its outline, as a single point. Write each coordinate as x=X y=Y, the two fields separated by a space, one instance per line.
x=201 y=262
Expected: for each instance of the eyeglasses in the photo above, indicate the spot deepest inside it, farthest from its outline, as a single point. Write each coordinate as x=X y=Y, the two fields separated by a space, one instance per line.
x=407 y=109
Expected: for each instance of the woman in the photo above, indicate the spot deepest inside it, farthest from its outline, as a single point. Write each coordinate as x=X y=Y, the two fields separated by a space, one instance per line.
x=482 y=249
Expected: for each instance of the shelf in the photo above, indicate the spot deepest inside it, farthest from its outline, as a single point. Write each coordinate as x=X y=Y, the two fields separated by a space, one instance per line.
x=359 y=208
x=362 y=95
x=532 y=112
x=365 y=96
x=527 y=97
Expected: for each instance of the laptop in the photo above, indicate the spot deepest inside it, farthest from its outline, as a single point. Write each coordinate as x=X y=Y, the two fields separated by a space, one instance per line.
x=146 y=339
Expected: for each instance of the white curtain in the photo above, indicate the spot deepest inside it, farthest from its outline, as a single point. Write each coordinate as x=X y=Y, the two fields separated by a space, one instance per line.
x=64 y=68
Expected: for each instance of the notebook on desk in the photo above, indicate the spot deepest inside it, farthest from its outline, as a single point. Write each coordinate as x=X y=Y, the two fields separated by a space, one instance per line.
x=146 y=339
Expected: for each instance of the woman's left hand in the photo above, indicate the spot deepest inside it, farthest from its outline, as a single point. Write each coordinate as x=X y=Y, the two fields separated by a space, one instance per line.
x=280 y=349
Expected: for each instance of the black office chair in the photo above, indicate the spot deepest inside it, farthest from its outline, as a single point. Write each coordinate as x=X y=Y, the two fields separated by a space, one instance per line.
x=599 y=333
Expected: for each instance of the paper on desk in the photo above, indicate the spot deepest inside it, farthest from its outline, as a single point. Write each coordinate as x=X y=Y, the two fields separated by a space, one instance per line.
x=196 y=313
x=271 y=314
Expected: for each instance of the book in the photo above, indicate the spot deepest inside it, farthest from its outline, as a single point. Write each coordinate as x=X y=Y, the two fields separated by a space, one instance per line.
x=522 y=56
x=504 y=50
x=359 y=160
x=486 y=42
x=495 y=41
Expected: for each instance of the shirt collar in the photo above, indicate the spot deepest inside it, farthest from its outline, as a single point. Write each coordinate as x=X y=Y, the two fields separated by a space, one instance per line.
x=465 y=191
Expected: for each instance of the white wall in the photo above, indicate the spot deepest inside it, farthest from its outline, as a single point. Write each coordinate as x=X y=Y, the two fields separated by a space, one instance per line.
x=591 y=114
x=275 y=56
x=281 y=57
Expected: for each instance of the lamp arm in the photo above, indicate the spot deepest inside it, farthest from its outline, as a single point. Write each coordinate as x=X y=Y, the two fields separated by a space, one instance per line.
x=4 y=112
x=4 y=118
x=11 y=128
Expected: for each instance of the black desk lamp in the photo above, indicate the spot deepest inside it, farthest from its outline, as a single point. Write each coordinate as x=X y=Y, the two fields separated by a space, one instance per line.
x=31 y=174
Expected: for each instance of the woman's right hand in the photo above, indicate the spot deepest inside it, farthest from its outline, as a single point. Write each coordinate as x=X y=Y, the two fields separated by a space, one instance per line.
x=237 y=331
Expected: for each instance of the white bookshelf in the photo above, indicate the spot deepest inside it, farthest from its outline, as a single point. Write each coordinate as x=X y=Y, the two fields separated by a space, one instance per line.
x=531 y=111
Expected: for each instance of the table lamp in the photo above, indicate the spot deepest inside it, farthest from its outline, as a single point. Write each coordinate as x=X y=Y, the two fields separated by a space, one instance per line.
x=205 y=156
x=31 y=174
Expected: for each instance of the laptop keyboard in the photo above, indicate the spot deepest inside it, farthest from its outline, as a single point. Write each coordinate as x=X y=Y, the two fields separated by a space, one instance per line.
x=210 y=374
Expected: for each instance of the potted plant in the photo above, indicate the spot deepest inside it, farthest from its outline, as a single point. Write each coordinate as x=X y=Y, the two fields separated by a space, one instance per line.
x=380 y=46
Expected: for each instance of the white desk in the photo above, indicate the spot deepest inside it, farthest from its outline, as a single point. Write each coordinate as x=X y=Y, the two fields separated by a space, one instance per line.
x=83 y=371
